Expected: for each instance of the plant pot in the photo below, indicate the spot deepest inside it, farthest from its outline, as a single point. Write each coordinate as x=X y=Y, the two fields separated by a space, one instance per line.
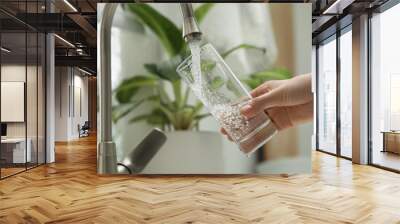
x=199 y=152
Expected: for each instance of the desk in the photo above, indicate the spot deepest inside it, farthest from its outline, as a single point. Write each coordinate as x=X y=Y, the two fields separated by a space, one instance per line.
x=13 y=150
x=391 y=141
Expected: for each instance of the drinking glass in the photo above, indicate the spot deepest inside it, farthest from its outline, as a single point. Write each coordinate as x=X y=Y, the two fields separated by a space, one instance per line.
x=223 y=95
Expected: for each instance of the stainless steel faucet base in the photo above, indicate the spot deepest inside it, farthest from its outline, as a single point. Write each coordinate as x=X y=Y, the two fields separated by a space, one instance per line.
x=106 y=158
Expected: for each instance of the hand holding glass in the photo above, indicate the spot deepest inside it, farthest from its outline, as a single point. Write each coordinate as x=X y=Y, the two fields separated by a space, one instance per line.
x=224 y=95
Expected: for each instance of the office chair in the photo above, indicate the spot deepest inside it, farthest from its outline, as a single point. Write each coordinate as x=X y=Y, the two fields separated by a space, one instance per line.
x=84 y=130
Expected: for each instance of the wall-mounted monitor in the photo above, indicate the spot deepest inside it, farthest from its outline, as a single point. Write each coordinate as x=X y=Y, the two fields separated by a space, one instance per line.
x=3 y=129
x=12 y=101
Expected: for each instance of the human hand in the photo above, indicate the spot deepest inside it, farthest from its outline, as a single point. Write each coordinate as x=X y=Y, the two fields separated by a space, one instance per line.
x=287 y=102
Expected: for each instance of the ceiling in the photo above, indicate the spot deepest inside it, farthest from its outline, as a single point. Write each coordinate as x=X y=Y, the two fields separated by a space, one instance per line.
x=75 y=21
x=332 y=15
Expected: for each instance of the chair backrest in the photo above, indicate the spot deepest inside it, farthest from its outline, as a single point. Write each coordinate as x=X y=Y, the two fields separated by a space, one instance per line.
x=86 y=125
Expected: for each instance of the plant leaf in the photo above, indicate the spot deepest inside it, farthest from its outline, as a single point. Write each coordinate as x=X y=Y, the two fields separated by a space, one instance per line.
x=153 y=69
x=116 y=114
x=157 y=118
x=129 y=87
x=243 y=46
x=166 y=31
x=196 y=120
x=176 y=86
x=186 y=118
x=233 y=88
x=207 y=65
x=252 y=83
x=186 y=96
x=271 y=75
x=201 y=12
x=196 y=109
x=165 y=70
x=258 y=78
x=217 y=83
x=163 y=96
x=283 y=71
x=168 y=114
x=202 y=116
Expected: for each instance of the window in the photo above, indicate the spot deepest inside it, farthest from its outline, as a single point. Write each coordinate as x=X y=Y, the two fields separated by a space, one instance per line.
x=327 y=96
x=22 y=77
x=385 y=89
x=346 y=93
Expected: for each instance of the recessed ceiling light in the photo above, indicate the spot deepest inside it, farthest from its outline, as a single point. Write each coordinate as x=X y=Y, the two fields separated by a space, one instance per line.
x=71 y=6
x=5 y=50
x=84 y=71
x=64 y=40
x=337 y=7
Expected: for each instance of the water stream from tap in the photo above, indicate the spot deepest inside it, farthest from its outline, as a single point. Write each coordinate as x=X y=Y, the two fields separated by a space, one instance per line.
x=195 y=51
x=225 y=110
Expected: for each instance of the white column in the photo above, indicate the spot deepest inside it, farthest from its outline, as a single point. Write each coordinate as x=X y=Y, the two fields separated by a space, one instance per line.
x=50 y=99
x=360 y=90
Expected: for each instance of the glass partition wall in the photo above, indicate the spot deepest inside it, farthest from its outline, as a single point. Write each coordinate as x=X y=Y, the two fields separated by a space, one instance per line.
x=326 y=107
x=385 y=89
x=22 y=98
x=334 y=94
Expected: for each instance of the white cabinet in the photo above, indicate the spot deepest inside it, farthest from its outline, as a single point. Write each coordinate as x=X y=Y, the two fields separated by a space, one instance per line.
x=17 y=147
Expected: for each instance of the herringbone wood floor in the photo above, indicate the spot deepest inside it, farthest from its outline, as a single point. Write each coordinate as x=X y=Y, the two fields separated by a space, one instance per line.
x=69 y=191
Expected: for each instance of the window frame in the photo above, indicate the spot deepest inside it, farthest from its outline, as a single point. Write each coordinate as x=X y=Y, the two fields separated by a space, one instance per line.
x=334 y=37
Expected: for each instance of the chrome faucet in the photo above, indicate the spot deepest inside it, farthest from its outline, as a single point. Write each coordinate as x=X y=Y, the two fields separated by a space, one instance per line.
x=106 y=151
x=190 y=28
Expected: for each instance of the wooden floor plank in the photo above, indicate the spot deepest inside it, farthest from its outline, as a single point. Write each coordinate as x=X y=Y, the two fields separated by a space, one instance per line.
x=70 y=191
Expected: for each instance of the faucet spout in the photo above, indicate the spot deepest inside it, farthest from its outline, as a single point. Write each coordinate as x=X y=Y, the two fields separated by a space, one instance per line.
x=106 y=151
x=190 y=28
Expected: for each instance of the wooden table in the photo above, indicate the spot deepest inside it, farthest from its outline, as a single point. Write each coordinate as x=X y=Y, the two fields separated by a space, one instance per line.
x=391 y=141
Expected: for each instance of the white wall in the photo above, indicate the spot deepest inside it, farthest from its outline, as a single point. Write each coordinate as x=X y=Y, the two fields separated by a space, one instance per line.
x=68 y=83
x=33 y=125
x=15 y=73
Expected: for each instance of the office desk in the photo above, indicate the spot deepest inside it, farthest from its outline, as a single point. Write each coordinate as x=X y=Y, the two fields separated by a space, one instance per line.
x=391 y=141
x=13 y=150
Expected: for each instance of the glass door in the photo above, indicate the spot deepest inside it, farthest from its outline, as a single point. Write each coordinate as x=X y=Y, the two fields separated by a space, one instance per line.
x=326 y=95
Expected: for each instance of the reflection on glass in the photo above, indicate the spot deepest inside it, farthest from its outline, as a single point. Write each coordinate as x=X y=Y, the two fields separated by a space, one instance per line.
x=22 y=91
x=41 y=99
x=346 y=94
x=14 y=150
x=385 y=114
x=31 y=100
x=327 y=97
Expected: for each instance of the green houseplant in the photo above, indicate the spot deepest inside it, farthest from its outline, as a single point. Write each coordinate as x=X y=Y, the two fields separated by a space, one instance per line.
x=171 y=113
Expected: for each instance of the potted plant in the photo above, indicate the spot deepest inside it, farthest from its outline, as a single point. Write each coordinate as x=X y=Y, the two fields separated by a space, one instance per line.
x=172 y=113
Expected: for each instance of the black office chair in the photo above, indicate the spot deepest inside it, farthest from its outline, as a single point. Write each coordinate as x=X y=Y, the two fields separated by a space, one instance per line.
x=84 y=130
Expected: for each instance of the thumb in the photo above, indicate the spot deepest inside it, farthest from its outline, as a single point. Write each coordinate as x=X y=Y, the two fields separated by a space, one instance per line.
x=265 y=101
